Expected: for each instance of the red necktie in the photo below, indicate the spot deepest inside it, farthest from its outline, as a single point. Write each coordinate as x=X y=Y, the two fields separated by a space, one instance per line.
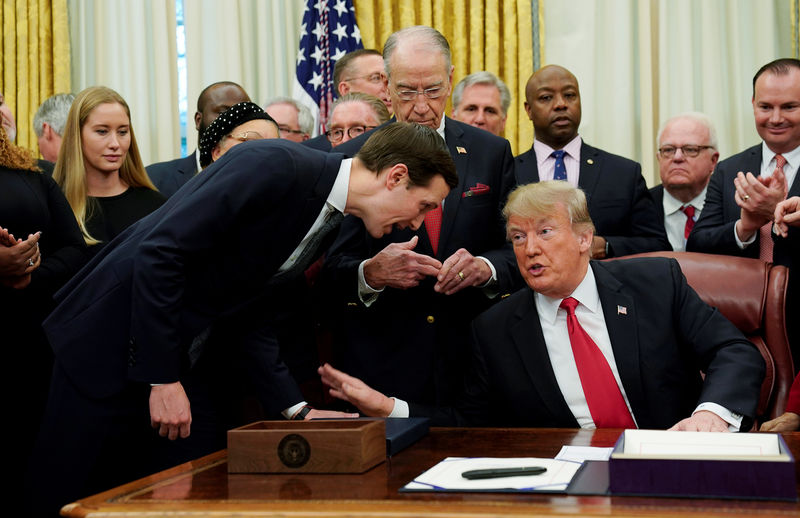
x=603 y=396
x=765 y=232
x=433 y=224
x=689 y=211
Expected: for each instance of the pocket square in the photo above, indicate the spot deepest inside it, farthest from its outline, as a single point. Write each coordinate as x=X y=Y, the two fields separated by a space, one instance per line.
x=477 y=190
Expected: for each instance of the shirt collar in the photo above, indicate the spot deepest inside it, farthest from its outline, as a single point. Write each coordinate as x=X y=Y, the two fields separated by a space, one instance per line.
x=673 y=205
x=440 y=129
x=586 y=293
x=337 y=199
x=792 y=157
x=543 y=151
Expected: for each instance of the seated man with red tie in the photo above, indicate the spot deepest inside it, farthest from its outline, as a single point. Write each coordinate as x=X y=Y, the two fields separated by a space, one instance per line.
x=590 y=344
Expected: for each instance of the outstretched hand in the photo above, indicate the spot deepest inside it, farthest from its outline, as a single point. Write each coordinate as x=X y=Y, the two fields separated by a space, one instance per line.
x=343 y=386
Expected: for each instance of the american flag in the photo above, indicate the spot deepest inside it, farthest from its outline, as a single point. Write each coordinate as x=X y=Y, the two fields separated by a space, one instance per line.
x=328 y=32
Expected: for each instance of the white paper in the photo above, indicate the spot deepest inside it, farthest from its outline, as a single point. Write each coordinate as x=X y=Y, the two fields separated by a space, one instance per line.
x=447 y=475
x=659 y=443
x=583 y=453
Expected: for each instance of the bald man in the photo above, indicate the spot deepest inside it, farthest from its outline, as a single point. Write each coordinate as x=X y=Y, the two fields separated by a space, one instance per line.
x=624 y=214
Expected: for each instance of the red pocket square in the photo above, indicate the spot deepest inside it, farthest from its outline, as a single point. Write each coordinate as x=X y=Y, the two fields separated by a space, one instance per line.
x=476 y=191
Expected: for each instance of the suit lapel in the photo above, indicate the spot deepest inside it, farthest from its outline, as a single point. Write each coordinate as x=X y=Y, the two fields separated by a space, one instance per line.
x=589 y=167
x=527 y=167
x=529 y=341
x=454 y=138
x=619 y=311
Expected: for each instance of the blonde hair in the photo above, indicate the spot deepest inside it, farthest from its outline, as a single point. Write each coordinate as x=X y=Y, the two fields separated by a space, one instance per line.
x=70 y=169
x=542 y=198
x=15 y=157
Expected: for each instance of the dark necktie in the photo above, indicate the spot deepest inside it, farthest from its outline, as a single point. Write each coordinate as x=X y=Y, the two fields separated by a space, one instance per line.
x=560 y=171
x=765 y=244
x=689 y=211
x=603 y=396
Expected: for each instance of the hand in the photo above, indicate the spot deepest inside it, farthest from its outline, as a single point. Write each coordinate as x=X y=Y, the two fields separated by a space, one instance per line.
x=702 y=421
x=788 y=422
x=369 y=401
x=787 y=213
x=16 y=282
x=397 y=266
x=6 y=238
x=328 y=414
x=21 y=257
x=598 y=247
x=758 y=195
x=170 y=411
x=461 y=270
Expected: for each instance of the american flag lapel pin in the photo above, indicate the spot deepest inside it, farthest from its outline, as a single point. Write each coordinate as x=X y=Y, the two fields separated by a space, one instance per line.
x=622 y=310
x=461 y=150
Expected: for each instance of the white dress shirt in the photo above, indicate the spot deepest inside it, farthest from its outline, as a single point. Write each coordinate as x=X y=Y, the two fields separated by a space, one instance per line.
x=546 y=163
x=675 y=218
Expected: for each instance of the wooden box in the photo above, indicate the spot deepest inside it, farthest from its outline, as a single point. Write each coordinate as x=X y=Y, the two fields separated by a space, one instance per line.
x=324 y=446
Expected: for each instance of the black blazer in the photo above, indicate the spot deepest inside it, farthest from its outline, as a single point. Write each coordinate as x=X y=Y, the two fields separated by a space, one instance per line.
x=620 y=206
x=205 y=257
x=411 y=343
x=319 y=142
x=660 y=343
x=170 y=176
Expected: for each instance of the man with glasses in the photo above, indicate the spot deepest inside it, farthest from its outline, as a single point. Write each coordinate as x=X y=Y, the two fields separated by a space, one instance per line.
x=407 y=298
x=687 y=154
x=362 y=71
x=623 y=212
x=295 y=121
x=170 y=176
x=354 y=114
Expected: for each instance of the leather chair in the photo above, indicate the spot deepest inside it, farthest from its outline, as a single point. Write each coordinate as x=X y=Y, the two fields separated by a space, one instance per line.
x=752 y=295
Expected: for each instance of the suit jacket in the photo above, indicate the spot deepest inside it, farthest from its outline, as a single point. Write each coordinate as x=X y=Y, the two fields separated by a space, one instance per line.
x=657 y=193
x=713 y=232
x=170 y=176
x=411 y=343
x=204 y=260
x=319 y=142
x=660 y=346
x=620 y=206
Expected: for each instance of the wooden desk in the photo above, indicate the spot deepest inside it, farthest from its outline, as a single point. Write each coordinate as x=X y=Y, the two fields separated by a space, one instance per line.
x=204 y=488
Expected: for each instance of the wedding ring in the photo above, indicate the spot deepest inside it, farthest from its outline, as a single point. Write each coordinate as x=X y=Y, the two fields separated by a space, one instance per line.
x=461 y=275
x=746 y=197
x=30 y=262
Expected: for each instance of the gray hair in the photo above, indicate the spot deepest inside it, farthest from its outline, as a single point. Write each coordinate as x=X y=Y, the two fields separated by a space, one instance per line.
x=304 y=118
x=698 y=117
x=53 y=111
x=483 y=78
x=381 y=112
x=424 y=33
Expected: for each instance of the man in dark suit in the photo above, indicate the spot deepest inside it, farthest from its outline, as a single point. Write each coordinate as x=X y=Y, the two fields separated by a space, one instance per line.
x=745 y=188
x=622 y=210
x=170 y=176
x=588 y=344
x=687 y=154
x=191 y=281
x=407 y=298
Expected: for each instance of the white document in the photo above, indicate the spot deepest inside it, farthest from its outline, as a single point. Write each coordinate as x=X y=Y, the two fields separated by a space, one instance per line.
x=583 y=453
x=655 y=444
x=447 y=475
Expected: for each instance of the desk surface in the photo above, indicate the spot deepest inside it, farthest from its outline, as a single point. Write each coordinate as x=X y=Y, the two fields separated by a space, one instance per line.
x=204 y=487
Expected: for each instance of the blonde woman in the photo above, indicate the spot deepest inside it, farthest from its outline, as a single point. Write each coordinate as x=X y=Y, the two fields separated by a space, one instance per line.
x=99 y=167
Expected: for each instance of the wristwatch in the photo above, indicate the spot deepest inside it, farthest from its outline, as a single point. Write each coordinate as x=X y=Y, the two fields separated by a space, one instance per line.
x=301 y=415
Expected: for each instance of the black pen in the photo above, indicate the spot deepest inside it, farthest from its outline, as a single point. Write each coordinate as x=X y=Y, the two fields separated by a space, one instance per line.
x=477 y=474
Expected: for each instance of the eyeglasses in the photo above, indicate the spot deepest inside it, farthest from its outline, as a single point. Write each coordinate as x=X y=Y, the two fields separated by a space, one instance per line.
x=247 y=135
x=430 y=93
x=375 y=78
x=337 y=134
x=690 y=151
x=287 y=129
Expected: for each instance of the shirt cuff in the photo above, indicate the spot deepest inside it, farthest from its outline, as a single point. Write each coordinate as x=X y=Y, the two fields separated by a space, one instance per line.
x=743 y=244
x=292 y=410
x=489 y=287
x=400 y=408
x=733 y=419
x=366 y=293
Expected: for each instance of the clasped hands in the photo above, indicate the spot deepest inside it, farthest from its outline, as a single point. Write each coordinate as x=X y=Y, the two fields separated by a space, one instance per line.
x=398 y=266
x=18 y=258
x=758 y=198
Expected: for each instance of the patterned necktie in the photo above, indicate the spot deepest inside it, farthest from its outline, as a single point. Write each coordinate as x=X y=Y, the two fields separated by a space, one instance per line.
x=765 y=244
x=433 y=224
x=602 y=393
x=560 y=171
x=689 y=211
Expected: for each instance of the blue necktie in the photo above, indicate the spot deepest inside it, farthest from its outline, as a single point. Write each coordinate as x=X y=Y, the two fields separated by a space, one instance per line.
x=560 y=171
